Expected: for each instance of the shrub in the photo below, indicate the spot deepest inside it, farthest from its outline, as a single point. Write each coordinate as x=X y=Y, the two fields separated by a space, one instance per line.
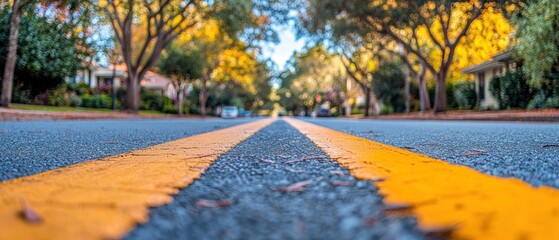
x=170 y=109
x=58 y=96
x=80 y=88
x=97 y=101
x=155 y=102
x=464 y=95
x=21 y=95
x=512 y=91
x=552 y=102
x=537 y=102
x=75 y=101
x=386 y=109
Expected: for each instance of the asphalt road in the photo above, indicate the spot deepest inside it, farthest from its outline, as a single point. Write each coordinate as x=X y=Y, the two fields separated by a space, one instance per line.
x=528 y=151
x=252 y=177
x=33 y=147
x=249 y=177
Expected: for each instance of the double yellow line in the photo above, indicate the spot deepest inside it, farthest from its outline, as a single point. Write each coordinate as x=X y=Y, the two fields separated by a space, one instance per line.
x=106 y=198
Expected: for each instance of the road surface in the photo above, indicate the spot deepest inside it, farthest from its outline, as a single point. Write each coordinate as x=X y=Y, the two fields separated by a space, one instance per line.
x=282 y=182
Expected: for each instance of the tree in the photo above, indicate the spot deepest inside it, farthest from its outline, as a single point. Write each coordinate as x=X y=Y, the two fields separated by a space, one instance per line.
x=231 y=30
x=389 y=85
x=429 y=30
x=50 y=50
x=360 y=61
x=183 y=66
x=538 y=41
x=312 y=74
x=144 y=29
x=67 y=12
x=10 y=64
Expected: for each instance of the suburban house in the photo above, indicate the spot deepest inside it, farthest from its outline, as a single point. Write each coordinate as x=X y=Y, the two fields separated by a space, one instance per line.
x=99 y=76
x=484 y=72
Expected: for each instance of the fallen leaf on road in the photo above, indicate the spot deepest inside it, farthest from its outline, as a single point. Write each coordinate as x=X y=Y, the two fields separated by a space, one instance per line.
x=475 y=152
x=340 y=183
x=212 y=204
x=398 y=209
x=408 y=147
x=304 y=159
x=337 y=172
x=293 y=170
x=283 y=156
x=296 y=187
x=267 y=160
x=550 y=145
x=378 y=179
x=29 y=214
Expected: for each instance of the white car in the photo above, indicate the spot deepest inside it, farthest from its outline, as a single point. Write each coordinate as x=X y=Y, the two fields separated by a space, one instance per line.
x=230 y=112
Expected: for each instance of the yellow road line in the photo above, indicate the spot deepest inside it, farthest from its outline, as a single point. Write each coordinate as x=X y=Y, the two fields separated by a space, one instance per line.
x=443 y=195
x=106 y=198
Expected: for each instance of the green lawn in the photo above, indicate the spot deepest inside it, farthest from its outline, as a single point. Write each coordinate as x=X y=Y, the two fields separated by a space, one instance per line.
x=73 y=109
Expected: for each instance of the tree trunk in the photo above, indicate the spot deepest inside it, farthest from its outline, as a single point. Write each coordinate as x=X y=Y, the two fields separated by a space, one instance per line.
x=8 y=78
x=375 y=104
x=367 y=101
x=347 y=108
x=180 y=99
x=407 y=95
x=424 y=99
x=440 y=93
x=202 y=98
x=133 y=92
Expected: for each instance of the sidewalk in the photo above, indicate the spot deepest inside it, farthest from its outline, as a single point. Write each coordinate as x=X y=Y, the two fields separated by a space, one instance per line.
x=541 y=115
x=35 y=115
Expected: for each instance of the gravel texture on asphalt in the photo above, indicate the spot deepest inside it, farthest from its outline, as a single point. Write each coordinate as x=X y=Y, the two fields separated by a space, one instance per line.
x=249 y=177
x=32 y=147
x=528 y=151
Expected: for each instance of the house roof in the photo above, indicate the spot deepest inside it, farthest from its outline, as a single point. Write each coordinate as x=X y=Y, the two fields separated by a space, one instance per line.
x=497 y=61
x=155 y=81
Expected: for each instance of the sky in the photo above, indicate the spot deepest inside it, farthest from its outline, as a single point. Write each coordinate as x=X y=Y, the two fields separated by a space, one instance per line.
x=280 y=53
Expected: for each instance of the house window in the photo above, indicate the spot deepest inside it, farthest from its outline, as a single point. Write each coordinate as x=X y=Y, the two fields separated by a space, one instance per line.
x=481 y=91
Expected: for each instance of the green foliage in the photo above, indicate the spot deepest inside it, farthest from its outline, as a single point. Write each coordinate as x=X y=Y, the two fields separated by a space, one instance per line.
x=155 y=102
x=46 y=51
x=462 y=95
x=512 y=90
x=538 y=40
x=80 y=88
x=97 y=101
x=58 y=96
x=386 y=109
x=21 y=95
x=388 y=84
x=181 y=63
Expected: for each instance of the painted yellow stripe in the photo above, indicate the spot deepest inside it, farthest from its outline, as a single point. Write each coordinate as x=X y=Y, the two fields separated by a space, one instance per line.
x=443 y=195
x=106 y=198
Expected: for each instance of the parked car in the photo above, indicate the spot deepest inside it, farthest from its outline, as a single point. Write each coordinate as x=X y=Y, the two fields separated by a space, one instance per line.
x=230 y=112
x=247 y=114
x=323 y=112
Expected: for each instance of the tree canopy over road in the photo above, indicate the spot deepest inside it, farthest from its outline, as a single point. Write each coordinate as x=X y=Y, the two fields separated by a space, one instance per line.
x=206 y=47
